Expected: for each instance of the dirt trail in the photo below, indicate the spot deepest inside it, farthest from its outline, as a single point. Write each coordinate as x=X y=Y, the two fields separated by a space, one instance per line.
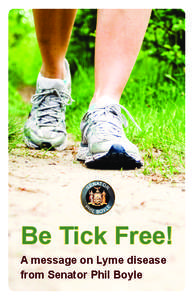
x=44 y=192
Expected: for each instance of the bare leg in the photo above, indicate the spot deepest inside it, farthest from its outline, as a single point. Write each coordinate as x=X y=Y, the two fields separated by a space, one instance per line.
x=53 y=30
x=119 y=36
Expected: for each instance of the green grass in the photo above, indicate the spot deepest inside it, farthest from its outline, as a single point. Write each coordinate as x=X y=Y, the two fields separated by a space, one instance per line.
x=158 y=105
x=154 y=97
x=17 y=114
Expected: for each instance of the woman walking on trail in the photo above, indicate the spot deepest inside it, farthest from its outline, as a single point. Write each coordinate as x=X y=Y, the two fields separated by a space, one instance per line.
x=119 y=35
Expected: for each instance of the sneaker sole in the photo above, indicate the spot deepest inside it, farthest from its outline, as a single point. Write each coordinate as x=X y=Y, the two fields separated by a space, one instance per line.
x=115 y=159
x=44 y=145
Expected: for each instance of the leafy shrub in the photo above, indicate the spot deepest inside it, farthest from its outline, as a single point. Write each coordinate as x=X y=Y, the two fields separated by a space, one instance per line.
x=24 y=55
x=81 y=48
x=165 y=38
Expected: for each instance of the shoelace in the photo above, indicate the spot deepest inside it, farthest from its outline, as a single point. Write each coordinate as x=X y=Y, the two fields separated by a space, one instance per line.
x=130 y=116
x=112 y=127
x=48 y=114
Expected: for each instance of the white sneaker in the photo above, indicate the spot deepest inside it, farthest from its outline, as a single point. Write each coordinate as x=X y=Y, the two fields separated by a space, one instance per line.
x=45 y=126
x=104 y=144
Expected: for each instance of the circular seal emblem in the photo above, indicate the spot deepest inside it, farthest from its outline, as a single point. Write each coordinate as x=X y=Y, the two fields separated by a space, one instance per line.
x=97 y=197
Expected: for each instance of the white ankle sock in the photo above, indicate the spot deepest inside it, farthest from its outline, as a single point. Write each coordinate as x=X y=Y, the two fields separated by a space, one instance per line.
x=102 y=102
x=50 y=83
x=55 y=83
